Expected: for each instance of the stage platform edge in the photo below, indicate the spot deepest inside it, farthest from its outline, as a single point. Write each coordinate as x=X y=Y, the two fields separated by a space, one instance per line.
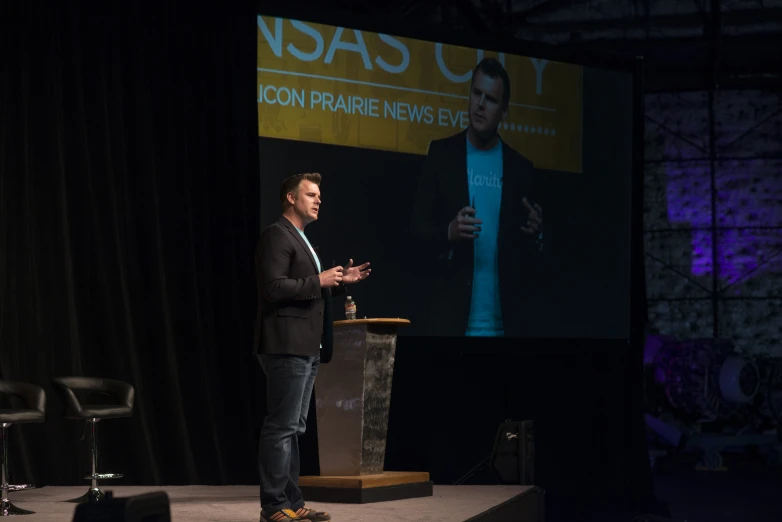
x=231 y=503
x=527 y=506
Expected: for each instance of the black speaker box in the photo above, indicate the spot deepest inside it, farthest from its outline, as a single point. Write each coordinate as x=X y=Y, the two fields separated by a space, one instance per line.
x=150 y=507
x=513 y=458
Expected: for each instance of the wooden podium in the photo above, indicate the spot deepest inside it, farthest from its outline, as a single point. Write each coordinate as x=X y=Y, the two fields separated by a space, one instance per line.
x=352 y=399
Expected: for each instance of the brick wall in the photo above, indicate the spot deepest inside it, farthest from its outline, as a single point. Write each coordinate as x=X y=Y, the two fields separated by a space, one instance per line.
x=683 y=238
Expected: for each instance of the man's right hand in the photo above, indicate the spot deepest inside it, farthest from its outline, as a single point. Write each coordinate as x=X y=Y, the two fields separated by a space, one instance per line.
x=331 y=277
x=464 y=226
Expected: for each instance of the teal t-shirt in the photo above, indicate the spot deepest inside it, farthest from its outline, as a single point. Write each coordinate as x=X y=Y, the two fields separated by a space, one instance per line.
x=484 y=176
x=317 y=261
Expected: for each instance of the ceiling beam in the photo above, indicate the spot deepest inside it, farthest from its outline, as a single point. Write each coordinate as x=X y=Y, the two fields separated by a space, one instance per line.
x=729 y=19
x=740 y=58
x=520 y=17
x=470 y=13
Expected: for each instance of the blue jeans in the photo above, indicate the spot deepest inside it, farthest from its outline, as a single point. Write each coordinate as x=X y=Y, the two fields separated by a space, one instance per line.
x=289 y=383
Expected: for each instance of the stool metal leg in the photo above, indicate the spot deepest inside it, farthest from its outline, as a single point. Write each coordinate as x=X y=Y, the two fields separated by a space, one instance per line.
x=94 y=494
x=6 y=508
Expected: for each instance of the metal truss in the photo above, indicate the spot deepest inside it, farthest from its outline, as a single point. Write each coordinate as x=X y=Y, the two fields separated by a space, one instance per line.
x=680 y=40
x=676 y=37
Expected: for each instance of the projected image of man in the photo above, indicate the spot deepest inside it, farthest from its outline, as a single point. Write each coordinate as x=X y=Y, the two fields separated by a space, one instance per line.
x=473 y=214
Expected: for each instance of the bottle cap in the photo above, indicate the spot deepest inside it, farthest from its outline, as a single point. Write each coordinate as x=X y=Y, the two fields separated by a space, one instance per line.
x=350 y=297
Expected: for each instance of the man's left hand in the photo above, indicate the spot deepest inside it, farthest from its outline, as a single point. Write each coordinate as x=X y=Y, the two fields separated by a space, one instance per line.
x=354 y=274
x=534 y=220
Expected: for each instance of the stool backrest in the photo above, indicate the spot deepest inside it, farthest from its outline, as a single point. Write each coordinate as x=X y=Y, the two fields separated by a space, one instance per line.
x=31 y=395
x=66 y=388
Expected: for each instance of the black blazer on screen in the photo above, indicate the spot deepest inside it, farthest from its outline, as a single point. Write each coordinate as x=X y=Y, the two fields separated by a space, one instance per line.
x=442 y=191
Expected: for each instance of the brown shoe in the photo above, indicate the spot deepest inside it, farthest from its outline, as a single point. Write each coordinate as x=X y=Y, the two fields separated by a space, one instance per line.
x=312 y=515
x=283 y=515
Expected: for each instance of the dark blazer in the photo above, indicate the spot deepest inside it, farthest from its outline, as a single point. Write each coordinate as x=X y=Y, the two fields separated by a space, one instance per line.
x=443 y=191
x=294 y=312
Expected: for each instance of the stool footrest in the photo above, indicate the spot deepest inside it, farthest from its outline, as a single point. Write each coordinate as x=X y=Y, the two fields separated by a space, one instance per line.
x=19 y=487
x=103 y=476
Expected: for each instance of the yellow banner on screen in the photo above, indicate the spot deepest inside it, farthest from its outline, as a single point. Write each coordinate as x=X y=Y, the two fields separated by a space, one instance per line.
x=327 y=84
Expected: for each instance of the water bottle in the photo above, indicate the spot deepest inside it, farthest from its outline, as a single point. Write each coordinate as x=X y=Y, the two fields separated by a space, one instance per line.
x=350 y=308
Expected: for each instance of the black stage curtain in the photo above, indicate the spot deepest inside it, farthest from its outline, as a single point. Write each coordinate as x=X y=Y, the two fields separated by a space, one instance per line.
x=128 y=218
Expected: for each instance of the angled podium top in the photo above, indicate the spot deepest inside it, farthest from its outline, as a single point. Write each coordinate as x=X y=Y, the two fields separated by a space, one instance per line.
x=373 y=321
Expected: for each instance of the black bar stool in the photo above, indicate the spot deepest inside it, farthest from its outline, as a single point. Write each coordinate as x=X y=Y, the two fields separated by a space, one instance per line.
x=122 y=393
x=34 y=410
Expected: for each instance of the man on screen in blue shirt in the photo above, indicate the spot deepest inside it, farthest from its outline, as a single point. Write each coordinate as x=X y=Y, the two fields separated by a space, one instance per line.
x=475 y=215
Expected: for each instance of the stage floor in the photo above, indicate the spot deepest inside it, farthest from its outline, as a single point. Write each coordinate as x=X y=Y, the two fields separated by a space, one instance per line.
x=240 y=503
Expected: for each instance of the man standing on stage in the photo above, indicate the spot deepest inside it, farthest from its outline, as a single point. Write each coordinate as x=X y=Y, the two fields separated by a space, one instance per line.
x=293 y=335
x=476 y=220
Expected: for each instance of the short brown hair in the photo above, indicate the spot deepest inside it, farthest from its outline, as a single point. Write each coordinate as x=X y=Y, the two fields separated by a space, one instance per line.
x=291 y=184
x=493 y=68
